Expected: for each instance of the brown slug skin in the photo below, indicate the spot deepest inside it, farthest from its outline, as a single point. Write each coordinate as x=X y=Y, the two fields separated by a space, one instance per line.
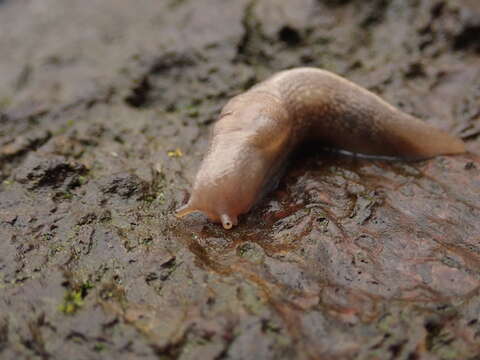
x=257 y=130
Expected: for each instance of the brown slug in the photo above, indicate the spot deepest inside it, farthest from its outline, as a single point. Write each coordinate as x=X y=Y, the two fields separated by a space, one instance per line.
x=257 y=130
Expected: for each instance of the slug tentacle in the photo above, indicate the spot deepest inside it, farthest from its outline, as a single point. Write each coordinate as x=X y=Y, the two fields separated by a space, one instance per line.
x=184 y=210
x=258 y=129
x=227 y=222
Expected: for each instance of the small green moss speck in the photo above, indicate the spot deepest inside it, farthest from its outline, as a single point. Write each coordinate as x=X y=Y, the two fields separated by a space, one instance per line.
x=387 y=322
x=74 y=299
x=99 y=347
x=5 y=102
x=63 y=195
x=146 y=241
x=47 y=236
x=192 y=111
x=175 y=153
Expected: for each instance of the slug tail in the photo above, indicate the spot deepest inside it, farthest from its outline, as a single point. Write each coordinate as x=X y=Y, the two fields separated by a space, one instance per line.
x=426 y=141
x=455 y=146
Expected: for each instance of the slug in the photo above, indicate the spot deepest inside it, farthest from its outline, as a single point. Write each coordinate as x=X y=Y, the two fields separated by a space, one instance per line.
x=257 y=130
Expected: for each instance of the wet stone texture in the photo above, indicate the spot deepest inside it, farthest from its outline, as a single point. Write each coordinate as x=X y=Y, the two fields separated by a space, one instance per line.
x=105 y=110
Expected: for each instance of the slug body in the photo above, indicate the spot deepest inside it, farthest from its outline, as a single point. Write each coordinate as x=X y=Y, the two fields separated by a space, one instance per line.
x=257 y=130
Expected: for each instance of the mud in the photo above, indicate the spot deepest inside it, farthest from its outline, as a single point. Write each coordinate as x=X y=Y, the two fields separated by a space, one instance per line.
x=105 y=111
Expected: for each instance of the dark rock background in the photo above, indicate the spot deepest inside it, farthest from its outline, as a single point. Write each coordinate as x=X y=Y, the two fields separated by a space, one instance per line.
x=105 y=109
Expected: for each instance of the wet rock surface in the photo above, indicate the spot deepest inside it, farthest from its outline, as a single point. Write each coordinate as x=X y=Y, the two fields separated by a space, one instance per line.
x=105 y=110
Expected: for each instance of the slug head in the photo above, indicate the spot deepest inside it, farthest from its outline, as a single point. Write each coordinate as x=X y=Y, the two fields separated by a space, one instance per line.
x=248 y=141
x=226 y=185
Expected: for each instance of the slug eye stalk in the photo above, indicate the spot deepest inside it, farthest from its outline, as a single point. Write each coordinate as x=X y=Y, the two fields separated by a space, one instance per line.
x=227 y=222
x=184 y=211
